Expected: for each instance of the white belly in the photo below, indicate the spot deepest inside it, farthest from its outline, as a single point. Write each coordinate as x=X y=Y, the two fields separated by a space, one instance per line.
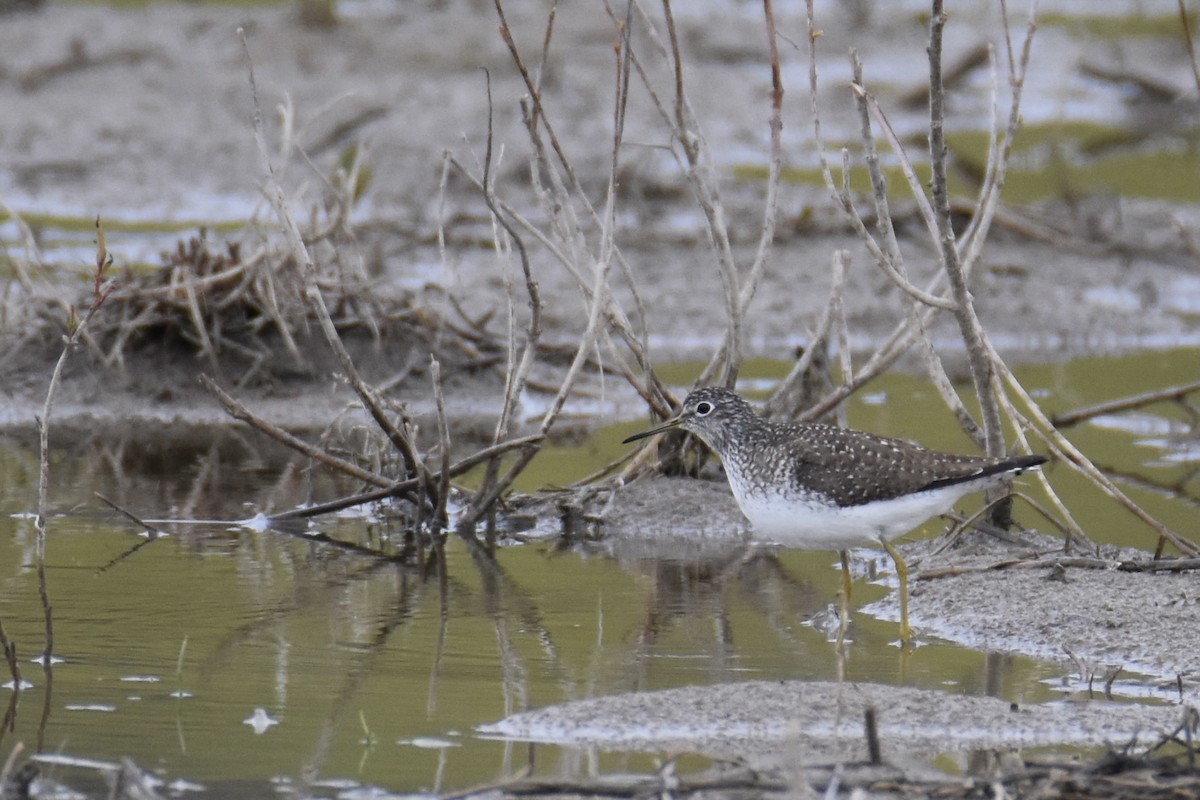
x=815 y=526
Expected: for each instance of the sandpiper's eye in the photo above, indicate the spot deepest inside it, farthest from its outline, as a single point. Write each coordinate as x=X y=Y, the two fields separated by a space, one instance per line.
x=703 y=408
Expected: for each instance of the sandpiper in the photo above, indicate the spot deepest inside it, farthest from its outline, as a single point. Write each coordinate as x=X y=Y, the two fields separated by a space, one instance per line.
x=821 y=487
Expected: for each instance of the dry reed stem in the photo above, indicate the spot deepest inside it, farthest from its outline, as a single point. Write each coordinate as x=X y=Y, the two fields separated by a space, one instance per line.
x=517 y=371
x=238 y=411
x=1191 y=46
x=10 y=657
x=1074 y=457
x=698 y=168
x=405 y=487
x=303 y=262
x=75 y=327
x=443 y=493
x=566 y=228
x=788 y=393
x=892 y=262
x=912 y=330
x=999 y=148
x=29 y=242
x=894 y=265
x=984 y=359
x=970 y=328
x=704 y=188
x=598 y=297
x=1069 y=418
x=936 y=214
x=647 y=386
x=1021 y=424
x=766 y=236
x=151 y=531
x=902 y=336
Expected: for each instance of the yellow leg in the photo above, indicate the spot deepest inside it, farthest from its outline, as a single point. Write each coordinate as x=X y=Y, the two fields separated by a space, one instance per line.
x=843 y=614
x=902 y=574
x=845 y=556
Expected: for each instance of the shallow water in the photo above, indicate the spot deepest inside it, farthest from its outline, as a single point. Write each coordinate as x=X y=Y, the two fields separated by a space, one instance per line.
x=236 y=658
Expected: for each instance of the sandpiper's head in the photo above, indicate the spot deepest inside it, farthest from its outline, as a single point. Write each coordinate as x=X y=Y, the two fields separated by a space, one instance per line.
x=712 y=413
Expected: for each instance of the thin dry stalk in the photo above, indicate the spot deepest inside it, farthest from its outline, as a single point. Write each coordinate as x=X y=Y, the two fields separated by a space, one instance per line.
x=936 y=214
x=766 y=237
x=405 y=487
x=640 y=372
x=518 y=369
x=903 y=335
x=238 y=411
x=1186 y=26
x=970 y=329
x=29 y=242
x=891 y=260
x=1073 y=530
x=957 y=257
x=435 y=376
x=152 y=532
x=75 y=327
x=10 y=657
x=791 y=392
x=894 y=264
x=312 y=294
x=598 y=296
x=999 y=149
x=1069 y=418
x=698 y=168
x=560 y=195
x=1083 y=465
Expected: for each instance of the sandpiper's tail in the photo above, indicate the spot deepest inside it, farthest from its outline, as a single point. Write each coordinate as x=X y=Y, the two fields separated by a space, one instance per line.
x=1005 y=467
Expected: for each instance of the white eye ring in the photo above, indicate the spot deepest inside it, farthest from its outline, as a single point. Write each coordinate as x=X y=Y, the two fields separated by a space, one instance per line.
x=704 y=408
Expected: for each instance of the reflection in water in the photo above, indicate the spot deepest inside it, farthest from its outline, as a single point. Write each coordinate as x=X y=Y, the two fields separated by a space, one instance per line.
x=706 y=592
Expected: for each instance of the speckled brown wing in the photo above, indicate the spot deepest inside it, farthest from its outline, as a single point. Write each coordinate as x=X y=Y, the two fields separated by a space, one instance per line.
x=851 y=467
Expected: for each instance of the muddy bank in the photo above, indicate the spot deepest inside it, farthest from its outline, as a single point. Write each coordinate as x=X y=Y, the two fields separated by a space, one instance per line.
x=795 y=723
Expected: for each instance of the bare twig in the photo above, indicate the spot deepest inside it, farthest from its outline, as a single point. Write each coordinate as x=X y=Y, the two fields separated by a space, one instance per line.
x=1056 y=561
x=10 y=657
x=401 y=488
x=129 y=515
x=1082 y=464
x=964 y=313
x=443 y=494
x=75 y=327
x=790 y=394
x=238 y=411
x=999 y=155
x=313 y=295
x=518 y=371
x=1186 y=26
x=598 y=296
x=893 y=261
x=1069 y=418
x=766 y=237
x=29 y=242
